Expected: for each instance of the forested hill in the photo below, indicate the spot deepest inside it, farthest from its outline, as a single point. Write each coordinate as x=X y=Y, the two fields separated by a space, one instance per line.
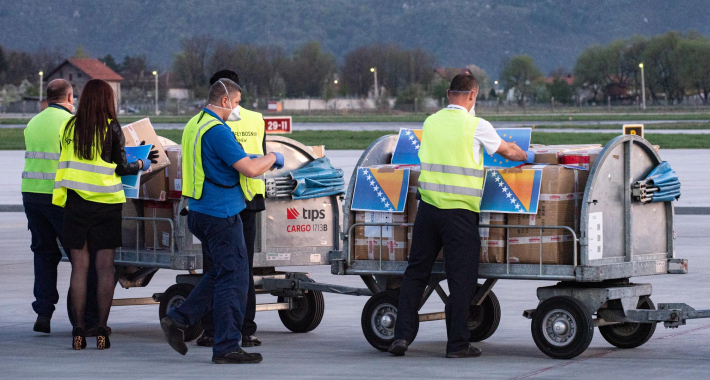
x=483 y=32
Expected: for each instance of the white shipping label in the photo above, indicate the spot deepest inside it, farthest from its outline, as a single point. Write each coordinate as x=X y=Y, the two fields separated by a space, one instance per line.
x=315 y=257
x=166 y=239
x=595 y=236
x=278 y=256
x=484 y=218
x=178 y=185
x=378 y=217
x=195 y=240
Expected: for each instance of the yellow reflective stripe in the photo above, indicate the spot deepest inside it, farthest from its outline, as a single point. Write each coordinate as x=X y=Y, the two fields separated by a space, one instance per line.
x=194 y=154
x=38 y=175
x=88 y=187
x=86 y=167
x=451 y=169
x=42 y=155
x=451 y=189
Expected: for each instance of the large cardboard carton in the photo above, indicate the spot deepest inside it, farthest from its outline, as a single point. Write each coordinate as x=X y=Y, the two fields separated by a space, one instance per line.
x=549 y=154
x=142 y=130
x=158 y=233
x=493 y=240
x=584 y=157
x=367 y=239
x=175 y=172
x=561 y=194
x=133 y=236
x=155 y=188
x=318 y=150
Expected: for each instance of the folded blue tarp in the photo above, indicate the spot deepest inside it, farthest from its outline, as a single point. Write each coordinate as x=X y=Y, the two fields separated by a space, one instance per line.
x=666 y=180
x=317 y=179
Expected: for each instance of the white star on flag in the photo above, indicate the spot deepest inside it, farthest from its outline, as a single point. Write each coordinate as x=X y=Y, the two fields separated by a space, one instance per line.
x=414 y=142
x=513 y=201
x=407 y=132
x=494 y=174
x=416 y=147
x=505 y=189
x=500 y=184
x=372 y=183
x=517 y=206
x=391 y=209
x=411 y=137
x=369 y=177
x=379 y=193
x=387 y=204
x=508 y=194
x=498 y=179
x=376 y=188
x=384 y=199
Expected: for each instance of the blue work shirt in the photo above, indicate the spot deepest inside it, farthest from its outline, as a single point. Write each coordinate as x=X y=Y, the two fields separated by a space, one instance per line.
x=220 y=150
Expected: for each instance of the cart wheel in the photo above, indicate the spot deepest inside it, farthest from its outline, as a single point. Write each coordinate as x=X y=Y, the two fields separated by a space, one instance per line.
x=562 y=327
x=174 y=297
x=630 y=335
x=307 y=312
x=379 y=317
x=483 y=320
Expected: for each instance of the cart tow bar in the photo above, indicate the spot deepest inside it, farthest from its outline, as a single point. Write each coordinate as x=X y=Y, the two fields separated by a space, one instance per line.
x=302 y=282
x=673 y=315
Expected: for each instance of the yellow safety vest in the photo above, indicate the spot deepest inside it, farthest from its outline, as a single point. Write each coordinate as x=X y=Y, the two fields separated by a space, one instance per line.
x=43 y=150
x=94 y=180
x=193 y=174
x=450 y=178
x=249 y=132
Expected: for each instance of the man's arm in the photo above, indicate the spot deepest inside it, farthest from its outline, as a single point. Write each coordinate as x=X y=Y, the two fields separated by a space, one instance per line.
x=512 y=151
x=254 y=167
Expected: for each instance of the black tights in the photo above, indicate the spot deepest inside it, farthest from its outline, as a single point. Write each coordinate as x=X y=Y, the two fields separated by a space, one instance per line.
x=105 y=286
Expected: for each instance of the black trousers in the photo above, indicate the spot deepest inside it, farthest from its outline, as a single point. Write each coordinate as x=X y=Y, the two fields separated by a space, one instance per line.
x=457 y=232
x=249 y=326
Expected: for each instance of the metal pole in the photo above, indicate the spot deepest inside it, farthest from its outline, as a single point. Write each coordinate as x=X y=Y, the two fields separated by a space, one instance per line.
x=155 y=73
x=377 y=90
x=41 y=80
x=643 y=87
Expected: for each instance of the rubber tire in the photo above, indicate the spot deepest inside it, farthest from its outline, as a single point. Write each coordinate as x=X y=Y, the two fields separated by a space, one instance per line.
x=643 y=333
x=385 y=297
x=582 y=317
x=483 y=320
x=307 y=314
x=178 y=293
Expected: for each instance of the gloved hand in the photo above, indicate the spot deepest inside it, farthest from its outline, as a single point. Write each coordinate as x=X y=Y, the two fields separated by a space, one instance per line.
x=153 y=155
x=146 y=164
x=279 y=160
x=531 y=157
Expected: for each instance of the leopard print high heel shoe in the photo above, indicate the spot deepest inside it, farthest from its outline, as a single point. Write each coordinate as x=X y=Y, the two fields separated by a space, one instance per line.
x=78 y=338
x=102 y=341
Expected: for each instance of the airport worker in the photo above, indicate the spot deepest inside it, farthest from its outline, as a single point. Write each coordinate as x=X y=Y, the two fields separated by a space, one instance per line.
x=248 y=129
x=450 y=186
x=45 y=221
x=212 y=164
x=88 y=186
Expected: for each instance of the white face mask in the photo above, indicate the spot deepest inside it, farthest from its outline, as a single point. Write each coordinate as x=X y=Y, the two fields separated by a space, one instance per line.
x=234 y=115
x=234 y=112
x=70 y=105
x=472 y=111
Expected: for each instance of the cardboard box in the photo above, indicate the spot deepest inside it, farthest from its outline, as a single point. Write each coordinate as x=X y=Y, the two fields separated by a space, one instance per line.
x=174 y=172
x=367 y=239
x=318 y=150
x=550 y=154
x=156 y=188
x=158 y=234
x=584 y=158
x=561 y=194
x=493 y=240
x=142 y=130
x=132 y=233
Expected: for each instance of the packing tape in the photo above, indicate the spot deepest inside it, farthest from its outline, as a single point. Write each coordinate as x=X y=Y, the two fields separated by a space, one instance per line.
x=563 y=197
x=537 y=240
x=133 y=134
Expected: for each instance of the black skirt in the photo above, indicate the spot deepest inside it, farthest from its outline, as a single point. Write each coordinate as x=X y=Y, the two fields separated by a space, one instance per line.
x=99 y=224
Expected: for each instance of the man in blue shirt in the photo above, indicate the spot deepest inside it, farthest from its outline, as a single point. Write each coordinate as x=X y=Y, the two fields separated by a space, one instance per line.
x=212 y=184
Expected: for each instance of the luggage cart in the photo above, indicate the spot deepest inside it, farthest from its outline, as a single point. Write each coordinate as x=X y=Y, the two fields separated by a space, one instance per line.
x=289 y=233
x=594 y=291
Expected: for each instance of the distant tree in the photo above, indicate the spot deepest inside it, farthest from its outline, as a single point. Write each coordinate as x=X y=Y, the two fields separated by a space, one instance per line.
x=189 y=64
x=411 y=95
x=20 y=68
x=309 y=70
x=3 y=66
x=521 y=74
x=134 y=71
x=484 y=84
x=663 y=67
x=439 y=90
x=694 y=55
x=109 y=61
x=80 y=53
x=560 y=90
x=588 y=70
x=492 y=94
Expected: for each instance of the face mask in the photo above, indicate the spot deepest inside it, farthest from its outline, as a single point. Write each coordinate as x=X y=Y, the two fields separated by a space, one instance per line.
x=472 y=111
x=234 y=115
x=234 y=112
x=70 y=105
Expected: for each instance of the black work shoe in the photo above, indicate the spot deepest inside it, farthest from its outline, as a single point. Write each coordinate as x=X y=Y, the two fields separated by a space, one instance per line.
x=238 y=357
x=43 y=324
x=91 y=331
x=398 y=347
x=174 y=334
x=468 y=352
x=205 y=341
x=250 y=341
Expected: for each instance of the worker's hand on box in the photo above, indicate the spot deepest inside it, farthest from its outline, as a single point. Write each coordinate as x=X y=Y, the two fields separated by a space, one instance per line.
x=279 y=160
x=531 y=157
x=153 y=155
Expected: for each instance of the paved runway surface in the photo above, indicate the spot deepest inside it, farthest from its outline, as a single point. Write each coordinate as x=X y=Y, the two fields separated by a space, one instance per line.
x=337 y=348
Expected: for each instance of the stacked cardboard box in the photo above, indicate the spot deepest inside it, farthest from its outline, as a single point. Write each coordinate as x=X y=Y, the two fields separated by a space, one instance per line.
x=155 y=188
x=158 y=233
x=584 y=157
x=393 y=243
x=142 y=130
x=174 y=172
x=549 y=154
x=561 y=194
x=133 y=235
x=492 y=239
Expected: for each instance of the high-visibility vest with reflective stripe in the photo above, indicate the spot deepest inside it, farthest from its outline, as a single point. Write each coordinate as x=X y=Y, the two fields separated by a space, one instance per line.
x=249 y=132
x=450 y=178
x=94 y=180
x=42 y=155
x=193 y=174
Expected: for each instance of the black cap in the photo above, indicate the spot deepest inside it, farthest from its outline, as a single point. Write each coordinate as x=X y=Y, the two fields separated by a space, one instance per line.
x=225 y=74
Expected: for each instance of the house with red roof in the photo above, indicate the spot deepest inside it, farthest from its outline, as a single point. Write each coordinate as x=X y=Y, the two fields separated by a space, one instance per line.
x=78 y=71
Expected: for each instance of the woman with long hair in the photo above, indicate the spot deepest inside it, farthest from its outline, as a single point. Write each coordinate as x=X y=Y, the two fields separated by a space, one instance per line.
x=88 y=186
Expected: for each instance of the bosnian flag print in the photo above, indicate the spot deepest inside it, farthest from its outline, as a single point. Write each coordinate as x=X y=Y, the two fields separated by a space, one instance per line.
x=380 y=189
x=512 y=191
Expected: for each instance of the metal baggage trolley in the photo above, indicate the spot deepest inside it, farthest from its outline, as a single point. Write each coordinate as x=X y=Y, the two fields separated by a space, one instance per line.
x=638 y=240
x=289 y=233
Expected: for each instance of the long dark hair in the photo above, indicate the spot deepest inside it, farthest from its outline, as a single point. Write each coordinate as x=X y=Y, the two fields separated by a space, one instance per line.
x=89 y=127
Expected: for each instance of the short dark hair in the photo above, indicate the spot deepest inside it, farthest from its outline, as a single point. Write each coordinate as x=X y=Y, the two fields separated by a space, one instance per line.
x=217 y=90
x=464 y=82
x=57 y=90
x=224 y=74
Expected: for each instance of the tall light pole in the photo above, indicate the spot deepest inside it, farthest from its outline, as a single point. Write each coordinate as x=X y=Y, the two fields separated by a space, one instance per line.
x=496 y=83
x=643 y=87
x=41 y=80
x=377 y=90
x=155 y=74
